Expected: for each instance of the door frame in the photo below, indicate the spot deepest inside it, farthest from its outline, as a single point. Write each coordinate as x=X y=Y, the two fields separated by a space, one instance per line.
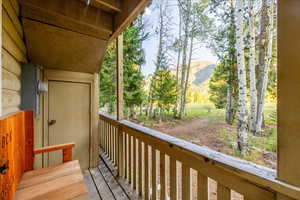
x=77 y=77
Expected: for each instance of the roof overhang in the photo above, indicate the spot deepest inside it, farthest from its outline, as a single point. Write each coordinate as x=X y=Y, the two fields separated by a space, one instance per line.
x=72 y=34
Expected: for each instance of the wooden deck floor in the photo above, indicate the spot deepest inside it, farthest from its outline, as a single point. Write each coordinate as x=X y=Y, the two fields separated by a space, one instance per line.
x=103 y=183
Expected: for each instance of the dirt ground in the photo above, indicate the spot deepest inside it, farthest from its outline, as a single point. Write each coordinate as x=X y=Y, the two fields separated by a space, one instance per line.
x=209 y=132
x=201 y=131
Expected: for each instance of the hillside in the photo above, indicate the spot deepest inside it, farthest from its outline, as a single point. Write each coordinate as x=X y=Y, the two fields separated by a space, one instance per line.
x=200 y=74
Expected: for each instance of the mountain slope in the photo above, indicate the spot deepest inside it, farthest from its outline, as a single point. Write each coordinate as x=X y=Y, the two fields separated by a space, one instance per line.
x=200 y=72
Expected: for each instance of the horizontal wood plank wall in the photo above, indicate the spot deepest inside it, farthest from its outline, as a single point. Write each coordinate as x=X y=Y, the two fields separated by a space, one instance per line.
x=13 y=54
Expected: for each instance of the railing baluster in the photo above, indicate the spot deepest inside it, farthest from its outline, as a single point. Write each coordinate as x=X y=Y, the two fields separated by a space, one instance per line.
x=173 y=179
x=116 y=142
x=162 y=176
x=146 y=172
x=134 y=163
x=202 y=187
x=223 y=193
x=117 y=146
x=100 y=132
x=130 y=158
x=186 y=182
x=140 y=167
x=153 y=155
x=109 y=141
x=103 y=134
x=113 y=145
x=106 y=137
x=125 y=156
x=120 y=157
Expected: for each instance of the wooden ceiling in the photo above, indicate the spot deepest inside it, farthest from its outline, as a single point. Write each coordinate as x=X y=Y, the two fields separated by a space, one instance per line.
x=73 y=34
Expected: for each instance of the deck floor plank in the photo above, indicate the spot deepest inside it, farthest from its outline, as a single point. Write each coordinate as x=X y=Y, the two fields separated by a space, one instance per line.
x=104 y=184
x=123 y=183
x=112 y=183
x=104 y=190
x=92 y=189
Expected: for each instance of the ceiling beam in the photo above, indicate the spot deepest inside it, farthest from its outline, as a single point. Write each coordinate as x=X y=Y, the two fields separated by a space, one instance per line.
x=71 y=15
x=130 y=10
x=110 y=4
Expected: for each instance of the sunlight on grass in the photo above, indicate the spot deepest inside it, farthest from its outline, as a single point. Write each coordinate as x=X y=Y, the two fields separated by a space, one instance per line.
x=203 y=110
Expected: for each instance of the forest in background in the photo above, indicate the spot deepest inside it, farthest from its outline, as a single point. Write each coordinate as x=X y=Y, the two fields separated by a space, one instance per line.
x=242 y=34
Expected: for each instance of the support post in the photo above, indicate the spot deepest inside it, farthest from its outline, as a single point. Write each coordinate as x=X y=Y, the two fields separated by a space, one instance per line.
x=120 y=77
x=288 y=91
x=120 y=102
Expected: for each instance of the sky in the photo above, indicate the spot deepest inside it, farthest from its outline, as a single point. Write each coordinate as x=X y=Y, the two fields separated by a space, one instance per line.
x=150 y=46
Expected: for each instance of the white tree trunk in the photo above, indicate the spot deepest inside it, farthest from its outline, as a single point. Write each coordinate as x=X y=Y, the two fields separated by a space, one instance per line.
x=229 y=106
x=186 y=22
x=178 y=64
x=268 y=58
x=242 y=111
x=253 y=92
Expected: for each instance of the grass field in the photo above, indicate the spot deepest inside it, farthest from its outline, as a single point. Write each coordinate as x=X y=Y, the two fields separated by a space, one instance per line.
x=209 y=110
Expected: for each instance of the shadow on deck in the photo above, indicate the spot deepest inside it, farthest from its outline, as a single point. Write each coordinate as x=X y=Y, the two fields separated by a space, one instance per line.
x=104 y=184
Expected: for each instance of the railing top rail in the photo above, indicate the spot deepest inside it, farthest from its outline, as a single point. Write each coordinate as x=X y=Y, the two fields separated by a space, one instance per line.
x=254 y=173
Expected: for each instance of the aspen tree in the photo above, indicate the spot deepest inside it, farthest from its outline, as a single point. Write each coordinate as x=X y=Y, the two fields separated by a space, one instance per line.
x=242 y=94
x=252 y=66
x=267 y=63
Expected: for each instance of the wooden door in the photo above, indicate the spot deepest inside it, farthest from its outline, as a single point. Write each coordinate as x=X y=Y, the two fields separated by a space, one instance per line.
x=69 y=119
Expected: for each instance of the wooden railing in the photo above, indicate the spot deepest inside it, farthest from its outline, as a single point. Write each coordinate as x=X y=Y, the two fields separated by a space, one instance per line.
x=159 y=166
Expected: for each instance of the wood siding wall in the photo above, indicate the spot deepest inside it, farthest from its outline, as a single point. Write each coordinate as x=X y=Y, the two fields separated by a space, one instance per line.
x=13 y=54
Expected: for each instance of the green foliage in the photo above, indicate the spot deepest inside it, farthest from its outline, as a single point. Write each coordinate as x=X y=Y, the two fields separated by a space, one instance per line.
x=218 y=87
x=225 y=76
x=108 y=79
x=134 y=57
x=164 y=89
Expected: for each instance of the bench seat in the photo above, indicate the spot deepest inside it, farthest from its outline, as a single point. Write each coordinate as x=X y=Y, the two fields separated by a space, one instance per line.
x=60 y=182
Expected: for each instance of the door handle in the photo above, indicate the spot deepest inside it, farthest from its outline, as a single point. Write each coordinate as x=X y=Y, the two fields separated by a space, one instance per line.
x=52 y=122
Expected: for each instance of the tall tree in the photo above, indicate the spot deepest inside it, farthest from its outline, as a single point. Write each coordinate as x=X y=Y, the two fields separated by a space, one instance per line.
x=252 y=66
x=223 y=85
x=197 y=26
x=134 y=57
x=163 y=32
x=261 y=43
x=177 y=46
x=108 y=80
x=242 y=85
x=186 y=7
x=266 y=66
x=164 y=90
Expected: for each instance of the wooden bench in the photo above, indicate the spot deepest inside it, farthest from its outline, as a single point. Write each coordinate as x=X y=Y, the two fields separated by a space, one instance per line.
x=19 y=181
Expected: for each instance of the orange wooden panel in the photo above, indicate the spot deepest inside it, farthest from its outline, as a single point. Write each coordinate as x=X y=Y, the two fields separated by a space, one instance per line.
x=67 y=155
x=29 y=135
x=13 y=151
